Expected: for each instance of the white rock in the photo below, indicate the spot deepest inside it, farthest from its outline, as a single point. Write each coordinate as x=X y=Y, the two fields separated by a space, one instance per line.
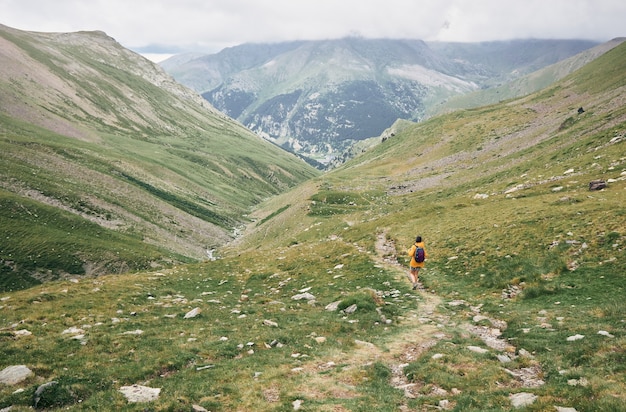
x=268 y=322
x=139 y=393
x=437 y=356
x=477 y=349
x=192 y=313
x=305 y=296
x=575 y=337
x=519 y=400
x=73 y=330
x=14 y=374
x=481 y=196
x=133 y=332
x=340 y=266
x=351 y=309
x=563 y=409
x=297 y=404
x=25 y=332
x=332 y=306
x=504 y=358
x=605 y=333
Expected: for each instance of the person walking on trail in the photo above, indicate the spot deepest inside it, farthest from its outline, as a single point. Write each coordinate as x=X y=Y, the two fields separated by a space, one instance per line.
x=418 y=255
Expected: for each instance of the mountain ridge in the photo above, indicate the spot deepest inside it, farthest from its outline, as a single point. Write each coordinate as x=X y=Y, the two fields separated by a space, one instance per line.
x=112 y=144
x=316 y=98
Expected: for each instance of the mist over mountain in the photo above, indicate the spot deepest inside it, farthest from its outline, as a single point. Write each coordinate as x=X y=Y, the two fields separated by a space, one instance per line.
x=318 y=98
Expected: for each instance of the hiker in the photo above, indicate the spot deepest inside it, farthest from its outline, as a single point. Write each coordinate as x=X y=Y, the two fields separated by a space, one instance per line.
x=417 y=262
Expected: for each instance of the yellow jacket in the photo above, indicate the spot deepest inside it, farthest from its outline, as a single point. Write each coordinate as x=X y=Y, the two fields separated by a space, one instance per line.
x=411 y=252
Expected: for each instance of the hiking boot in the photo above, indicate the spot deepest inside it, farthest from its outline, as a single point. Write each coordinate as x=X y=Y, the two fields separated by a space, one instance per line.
x=414 y=286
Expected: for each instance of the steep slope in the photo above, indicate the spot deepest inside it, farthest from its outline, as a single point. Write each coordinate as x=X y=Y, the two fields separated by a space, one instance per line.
x=319 y=97
x=109 y=165
x=527 y=84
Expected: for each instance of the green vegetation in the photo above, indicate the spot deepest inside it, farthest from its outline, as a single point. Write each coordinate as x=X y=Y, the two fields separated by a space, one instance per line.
x=524 y=262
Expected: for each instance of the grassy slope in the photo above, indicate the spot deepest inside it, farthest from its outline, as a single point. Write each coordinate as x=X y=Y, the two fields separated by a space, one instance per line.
x=87 y=136
x=562 y=245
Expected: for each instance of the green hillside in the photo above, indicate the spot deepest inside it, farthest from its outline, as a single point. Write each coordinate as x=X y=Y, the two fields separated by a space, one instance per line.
x=311 y=310
x=109 y=166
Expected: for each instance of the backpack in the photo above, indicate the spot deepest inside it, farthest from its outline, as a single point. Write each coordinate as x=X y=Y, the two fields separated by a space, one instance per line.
x=419 y=254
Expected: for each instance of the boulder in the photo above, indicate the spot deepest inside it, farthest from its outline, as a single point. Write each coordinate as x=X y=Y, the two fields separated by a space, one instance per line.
x=14 y=374
x=597 y=185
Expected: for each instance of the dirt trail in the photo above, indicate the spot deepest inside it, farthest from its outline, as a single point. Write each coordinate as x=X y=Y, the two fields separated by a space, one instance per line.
x=421 y=329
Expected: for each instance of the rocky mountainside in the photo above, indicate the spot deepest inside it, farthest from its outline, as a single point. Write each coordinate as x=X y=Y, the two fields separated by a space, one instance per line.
x=317 y=98
x=108 y=164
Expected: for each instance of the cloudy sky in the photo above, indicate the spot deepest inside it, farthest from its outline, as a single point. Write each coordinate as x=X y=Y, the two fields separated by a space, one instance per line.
x=175 y=26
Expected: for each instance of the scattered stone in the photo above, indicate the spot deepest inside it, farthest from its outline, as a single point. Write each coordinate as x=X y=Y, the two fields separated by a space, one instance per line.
x=303 y=296
x=575 y=338
x=525 y=354
x=73 y=330
x=331 y=307
x=198 y=408
x=437 y=356
x=519 y=400
x=340 y=266
x=139 y=393
x=477 y=349
x=578 y=382
x=504 y=358
x=605 y=333
x=24 y=332
x=478 y=196
x=192 y=313
x=297 y=404
x=320 y=339
x=12 y=375
x=268 y=322
x=528 y=376
x=351 y=309
x=597 y=185
x=563 y=409
x=41 y=391
x=133 y=332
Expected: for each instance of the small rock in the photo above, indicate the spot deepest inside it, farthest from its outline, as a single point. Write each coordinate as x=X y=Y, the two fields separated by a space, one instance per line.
x=133 y=332
x=605 y=333
x=519 y=400
x=332 y=306
x=303 y=296
x=351 y=309
x=192 y=313
x=24 y=332
x=575 y=338
x=40 y=391
x=297 y=404
x=477 y=349
x=437 y=356
x=504 y=358
x=268 y=322
x=578 y=382
x=139 y=393
x=320 y=339
x=12 y=375
x=198 y=408
x=563 y=409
